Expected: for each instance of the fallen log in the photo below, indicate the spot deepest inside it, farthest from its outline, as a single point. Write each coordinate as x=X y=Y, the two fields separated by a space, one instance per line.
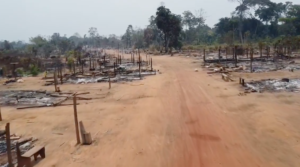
x=83 y=93
x=83 y=98
x=38 y=106
x=78 y=98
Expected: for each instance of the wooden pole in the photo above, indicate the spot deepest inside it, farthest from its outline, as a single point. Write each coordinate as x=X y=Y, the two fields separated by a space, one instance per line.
x=251 y=59
x=82 y=67
x=55 y=80
x=151 y=64
x=219 y=54
x=0 y=114
x=109 y=81
x=8 y=145
x=204 y=59
x=61 y=76
x=115 y=68
x=74 y=69
x=140 y=64
x=14 y=71
x=235 y=55
x=133 y=58
x=76 y=119
x=104 y=60
x=90 y=63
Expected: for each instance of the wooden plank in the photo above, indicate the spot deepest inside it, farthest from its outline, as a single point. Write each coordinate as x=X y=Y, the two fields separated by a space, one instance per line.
x=32 y=151
x=82 y=132
x=39 y=106
x=76 y=119
x=87 y=138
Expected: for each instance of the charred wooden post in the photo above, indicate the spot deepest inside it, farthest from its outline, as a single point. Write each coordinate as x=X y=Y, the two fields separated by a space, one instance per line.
x=247 y=52
x=8 y=145
x=74 y=69
x=0 y=114
x=115 y=68
x=251 y=59
x=109 y=82
x=90 y=63
x=243 y=82
x=82 y=66
x=14 y=73
x=133 y=59
x=219 y=54
x=76 y=119
x=204 y=59
x=268 y=51
x=140 y=64
x=55 y=79
x=151 y=64
x=61 y=76
x=104 y=63
x=235 y=55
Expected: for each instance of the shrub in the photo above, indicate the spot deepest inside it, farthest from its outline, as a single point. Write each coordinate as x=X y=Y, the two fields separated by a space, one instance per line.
x=33 y=70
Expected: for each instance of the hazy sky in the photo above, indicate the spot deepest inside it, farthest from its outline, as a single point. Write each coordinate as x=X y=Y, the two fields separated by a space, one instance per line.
x=22 y=19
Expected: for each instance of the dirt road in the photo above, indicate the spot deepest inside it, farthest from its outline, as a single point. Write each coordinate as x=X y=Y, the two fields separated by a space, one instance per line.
x=177 y=118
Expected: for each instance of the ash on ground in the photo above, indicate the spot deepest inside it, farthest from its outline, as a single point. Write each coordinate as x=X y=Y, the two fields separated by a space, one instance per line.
x=27 y=97
x=128 y=78
x=285 y=84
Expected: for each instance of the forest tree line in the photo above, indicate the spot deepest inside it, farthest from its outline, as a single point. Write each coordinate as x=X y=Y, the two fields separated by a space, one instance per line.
x=252 y=21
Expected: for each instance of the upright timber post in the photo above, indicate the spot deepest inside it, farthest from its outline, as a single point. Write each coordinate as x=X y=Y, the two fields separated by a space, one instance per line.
x=235 y=55
x=104 y=61
x=140 y=64
x=8 y=145
x=0 y=114
x=74 y=69
x=115 y=68
x=81 y=62
x=76 y=119
x=90 y=63
x=251 y=59
x=133 y=58
x=204 y=59
x=151 y=64
x=109 y=81
x=219 y=55
x=55 y=79
x=14 y=73
x=61 y=77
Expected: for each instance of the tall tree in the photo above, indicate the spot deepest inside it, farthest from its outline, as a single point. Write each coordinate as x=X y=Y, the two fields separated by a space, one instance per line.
x=169 y=24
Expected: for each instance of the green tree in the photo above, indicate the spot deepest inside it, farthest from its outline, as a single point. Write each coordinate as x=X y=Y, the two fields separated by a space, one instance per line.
x=170 y=25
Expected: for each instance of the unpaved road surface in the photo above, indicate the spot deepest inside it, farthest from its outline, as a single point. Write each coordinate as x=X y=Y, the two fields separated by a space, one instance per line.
x=177 y=118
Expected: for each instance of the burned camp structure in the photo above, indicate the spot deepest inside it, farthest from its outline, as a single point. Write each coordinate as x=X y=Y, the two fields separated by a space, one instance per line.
x=239 y=59
x=103 y=68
